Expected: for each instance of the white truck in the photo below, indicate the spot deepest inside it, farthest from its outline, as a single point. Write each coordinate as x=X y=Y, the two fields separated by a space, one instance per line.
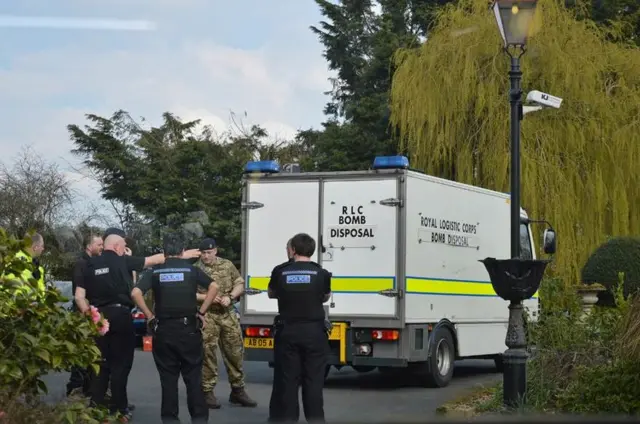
x=403 y=247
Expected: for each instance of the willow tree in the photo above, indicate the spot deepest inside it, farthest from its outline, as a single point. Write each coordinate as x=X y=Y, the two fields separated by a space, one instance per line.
x=580 y=164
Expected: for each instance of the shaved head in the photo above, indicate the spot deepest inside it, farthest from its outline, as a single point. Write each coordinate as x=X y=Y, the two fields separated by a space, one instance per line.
x=115 y=243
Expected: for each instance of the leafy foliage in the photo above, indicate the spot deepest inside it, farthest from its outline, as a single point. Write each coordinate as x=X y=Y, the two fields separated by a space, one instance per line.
x=37 y=336
x=619 y=254
x=17 y=410
x=359 y=44
x=623 y=15
x=579 y=163
x=582 y=364
x=160 y=176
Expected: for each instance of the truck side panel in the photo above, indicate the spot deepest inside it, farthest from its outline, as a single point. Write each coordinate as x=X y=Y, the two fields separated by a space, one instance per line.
x=288 y=208
x=449 y=229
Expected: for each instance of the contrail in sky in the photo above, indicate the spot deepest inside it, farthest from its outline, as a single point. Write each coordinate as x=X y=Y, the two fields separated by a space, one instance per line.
x=7 y=21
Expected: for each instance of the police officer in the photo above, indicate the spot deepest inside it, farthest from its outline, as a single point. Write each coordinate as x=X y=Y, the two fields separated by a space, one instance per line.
x=80 y=378
x=177 y=339
x=274 y=408
x=107 y=286
x=31 y=255
x=301 y=339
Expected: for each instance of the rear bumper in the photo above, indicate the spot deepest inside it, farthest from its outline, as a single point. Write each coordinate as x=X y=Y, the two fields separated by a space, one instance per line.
x=343 y=349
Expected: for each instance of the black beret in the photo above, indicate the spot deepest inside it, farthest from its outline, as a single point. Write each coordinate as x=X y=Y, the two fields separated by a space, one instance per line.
x=207 y=244
x=114 y=231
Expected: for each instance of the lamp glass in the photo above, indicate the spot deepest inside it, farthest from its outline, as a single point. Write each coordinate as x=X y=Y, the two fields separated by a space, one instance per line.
x=515 y=19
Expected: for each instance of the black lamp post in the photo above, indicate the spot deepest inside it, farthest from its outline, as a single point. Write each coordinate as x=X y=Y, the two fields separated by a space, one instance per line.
x=514 y=18
x=515 y=279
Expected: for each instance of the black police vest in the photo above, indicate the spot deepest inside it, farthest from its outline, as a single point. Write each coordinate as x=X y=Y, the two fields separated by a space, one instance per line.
x=174 y=291
x=301 y=292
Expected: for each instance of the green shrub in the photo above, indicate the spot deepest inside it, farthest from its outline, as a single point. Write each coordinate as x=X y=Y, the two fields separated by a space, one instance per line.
x=630 y=332
x=618 y=255
x=37 y=336
x=15 y=410
x=575 y=355
x=610 y=388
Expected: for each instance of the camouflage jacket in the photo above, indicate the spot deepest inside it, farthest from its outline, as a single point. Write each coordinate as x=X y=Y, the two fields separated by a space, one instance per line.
x=224 y=273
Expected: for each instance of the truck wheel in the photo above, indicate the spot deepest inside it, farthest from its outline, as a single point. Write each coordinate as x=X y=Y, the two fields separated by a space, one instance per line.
x=499 y=361
x=441 y=359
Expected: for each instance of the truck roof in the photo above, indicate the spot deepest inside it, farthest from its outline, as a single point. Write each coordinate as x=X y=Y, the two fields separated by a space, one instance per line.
x=371 y=172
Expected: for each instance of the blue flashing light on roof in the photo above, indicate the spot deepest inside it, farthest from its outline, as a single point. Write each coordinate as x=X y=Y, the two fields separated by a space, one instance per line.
x=391 y=162
x=264 y=166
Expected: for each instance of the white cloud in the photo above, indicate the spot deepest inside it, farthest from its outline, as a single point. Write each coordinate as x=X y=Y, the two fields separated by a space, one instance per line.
x=75 y=23
x=206 y=118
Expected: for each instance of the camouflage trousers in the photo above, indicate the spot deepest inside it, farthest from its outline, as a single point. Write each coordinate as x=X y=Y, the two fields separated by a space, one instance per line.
x=222 y=330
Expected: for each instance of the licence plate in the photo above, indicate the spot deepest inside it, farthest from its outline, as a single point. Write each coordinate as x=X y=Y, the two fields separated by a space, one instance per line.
x=258 y=343
x=335 y=332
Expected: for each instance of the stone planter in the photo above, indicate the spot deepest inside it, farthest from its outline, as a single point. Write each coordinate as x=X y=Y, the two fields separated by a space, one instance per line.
x=589 y=295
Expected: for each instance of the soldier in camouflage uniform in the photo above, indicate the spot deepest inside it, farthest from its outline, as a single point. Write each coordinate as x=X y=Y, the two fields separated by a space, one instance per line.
x=222 y=328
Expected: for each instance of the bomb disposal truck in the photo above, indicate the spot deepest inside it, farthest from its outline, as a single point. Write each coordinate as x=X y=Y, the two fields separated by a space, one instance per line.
x=403 y=247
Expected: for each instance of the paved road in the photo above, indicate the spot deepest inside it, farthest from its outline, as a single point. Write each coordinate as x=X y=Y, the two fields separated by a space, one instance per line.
x=349 y=396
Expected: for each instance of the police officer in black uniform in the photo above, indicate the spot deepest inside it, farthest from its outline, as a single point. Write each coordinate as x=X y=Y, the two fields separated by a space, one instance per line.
x=81 y=378
x=177 y=340
x=107 y=286
x=274 y=408
x=301 y=338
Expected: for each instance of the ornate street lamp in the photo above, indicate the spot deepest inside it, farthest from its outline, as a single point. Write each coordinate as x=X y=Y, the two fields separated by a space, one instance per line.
x=514 y=18
x=515 y=279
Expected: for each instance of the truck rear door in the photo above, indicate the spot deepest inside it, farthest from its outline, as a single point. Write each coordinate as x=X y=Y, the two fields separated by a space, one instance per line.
x=359 y=237
x=274 y=211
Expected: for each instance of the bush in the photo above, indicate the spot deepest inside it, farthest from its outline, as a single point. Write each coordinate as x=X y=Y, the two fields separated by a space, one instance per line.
x=618 y=255
x=582 y=365
x=15 y=410
x=37 y=336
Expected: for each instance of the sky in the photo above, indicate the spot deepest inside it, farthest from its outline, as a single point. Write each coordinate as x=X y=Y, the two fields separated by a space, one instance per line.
x=199 y=59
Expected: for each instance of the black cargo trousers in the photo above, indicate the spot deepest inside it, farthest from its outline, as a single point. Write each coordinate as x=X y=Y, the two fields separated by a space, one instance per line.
x=178 y=349
x=117 y=348
x=300 y=359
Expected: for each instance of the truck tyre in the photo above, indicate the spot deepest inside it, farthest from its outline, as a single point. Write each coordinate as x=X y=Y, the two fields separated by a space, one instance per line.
x=499 y=361
x=441 y=360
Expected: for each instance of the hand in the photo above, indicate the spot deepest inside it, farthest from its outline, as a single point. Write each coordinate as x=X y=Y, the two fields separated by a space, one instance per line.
x=190 y=254
x=127 y=251
x=225 y=301
x=202 y=320
x=152 y=325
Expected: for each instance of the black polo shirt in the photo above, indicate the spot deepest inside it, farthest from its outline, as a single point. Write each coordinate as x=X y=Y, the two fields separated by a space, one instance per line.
x=77 y=276
x=107 y=278
x=300 y=288
x=78 y=270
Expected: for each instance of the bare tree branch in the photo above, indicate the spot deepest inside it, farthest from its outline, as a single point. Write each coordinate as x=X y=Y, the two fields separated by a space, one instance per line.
x=33 y=193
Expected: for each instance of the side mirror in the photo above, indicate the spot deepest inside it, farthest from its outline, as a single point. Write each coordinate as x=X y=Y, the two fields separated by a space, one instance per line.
x=549 y=241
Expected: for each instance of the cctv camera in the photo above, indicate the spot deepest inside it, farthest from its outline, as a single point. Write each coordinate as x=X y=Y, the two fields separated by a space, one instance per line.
x=544 y=99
